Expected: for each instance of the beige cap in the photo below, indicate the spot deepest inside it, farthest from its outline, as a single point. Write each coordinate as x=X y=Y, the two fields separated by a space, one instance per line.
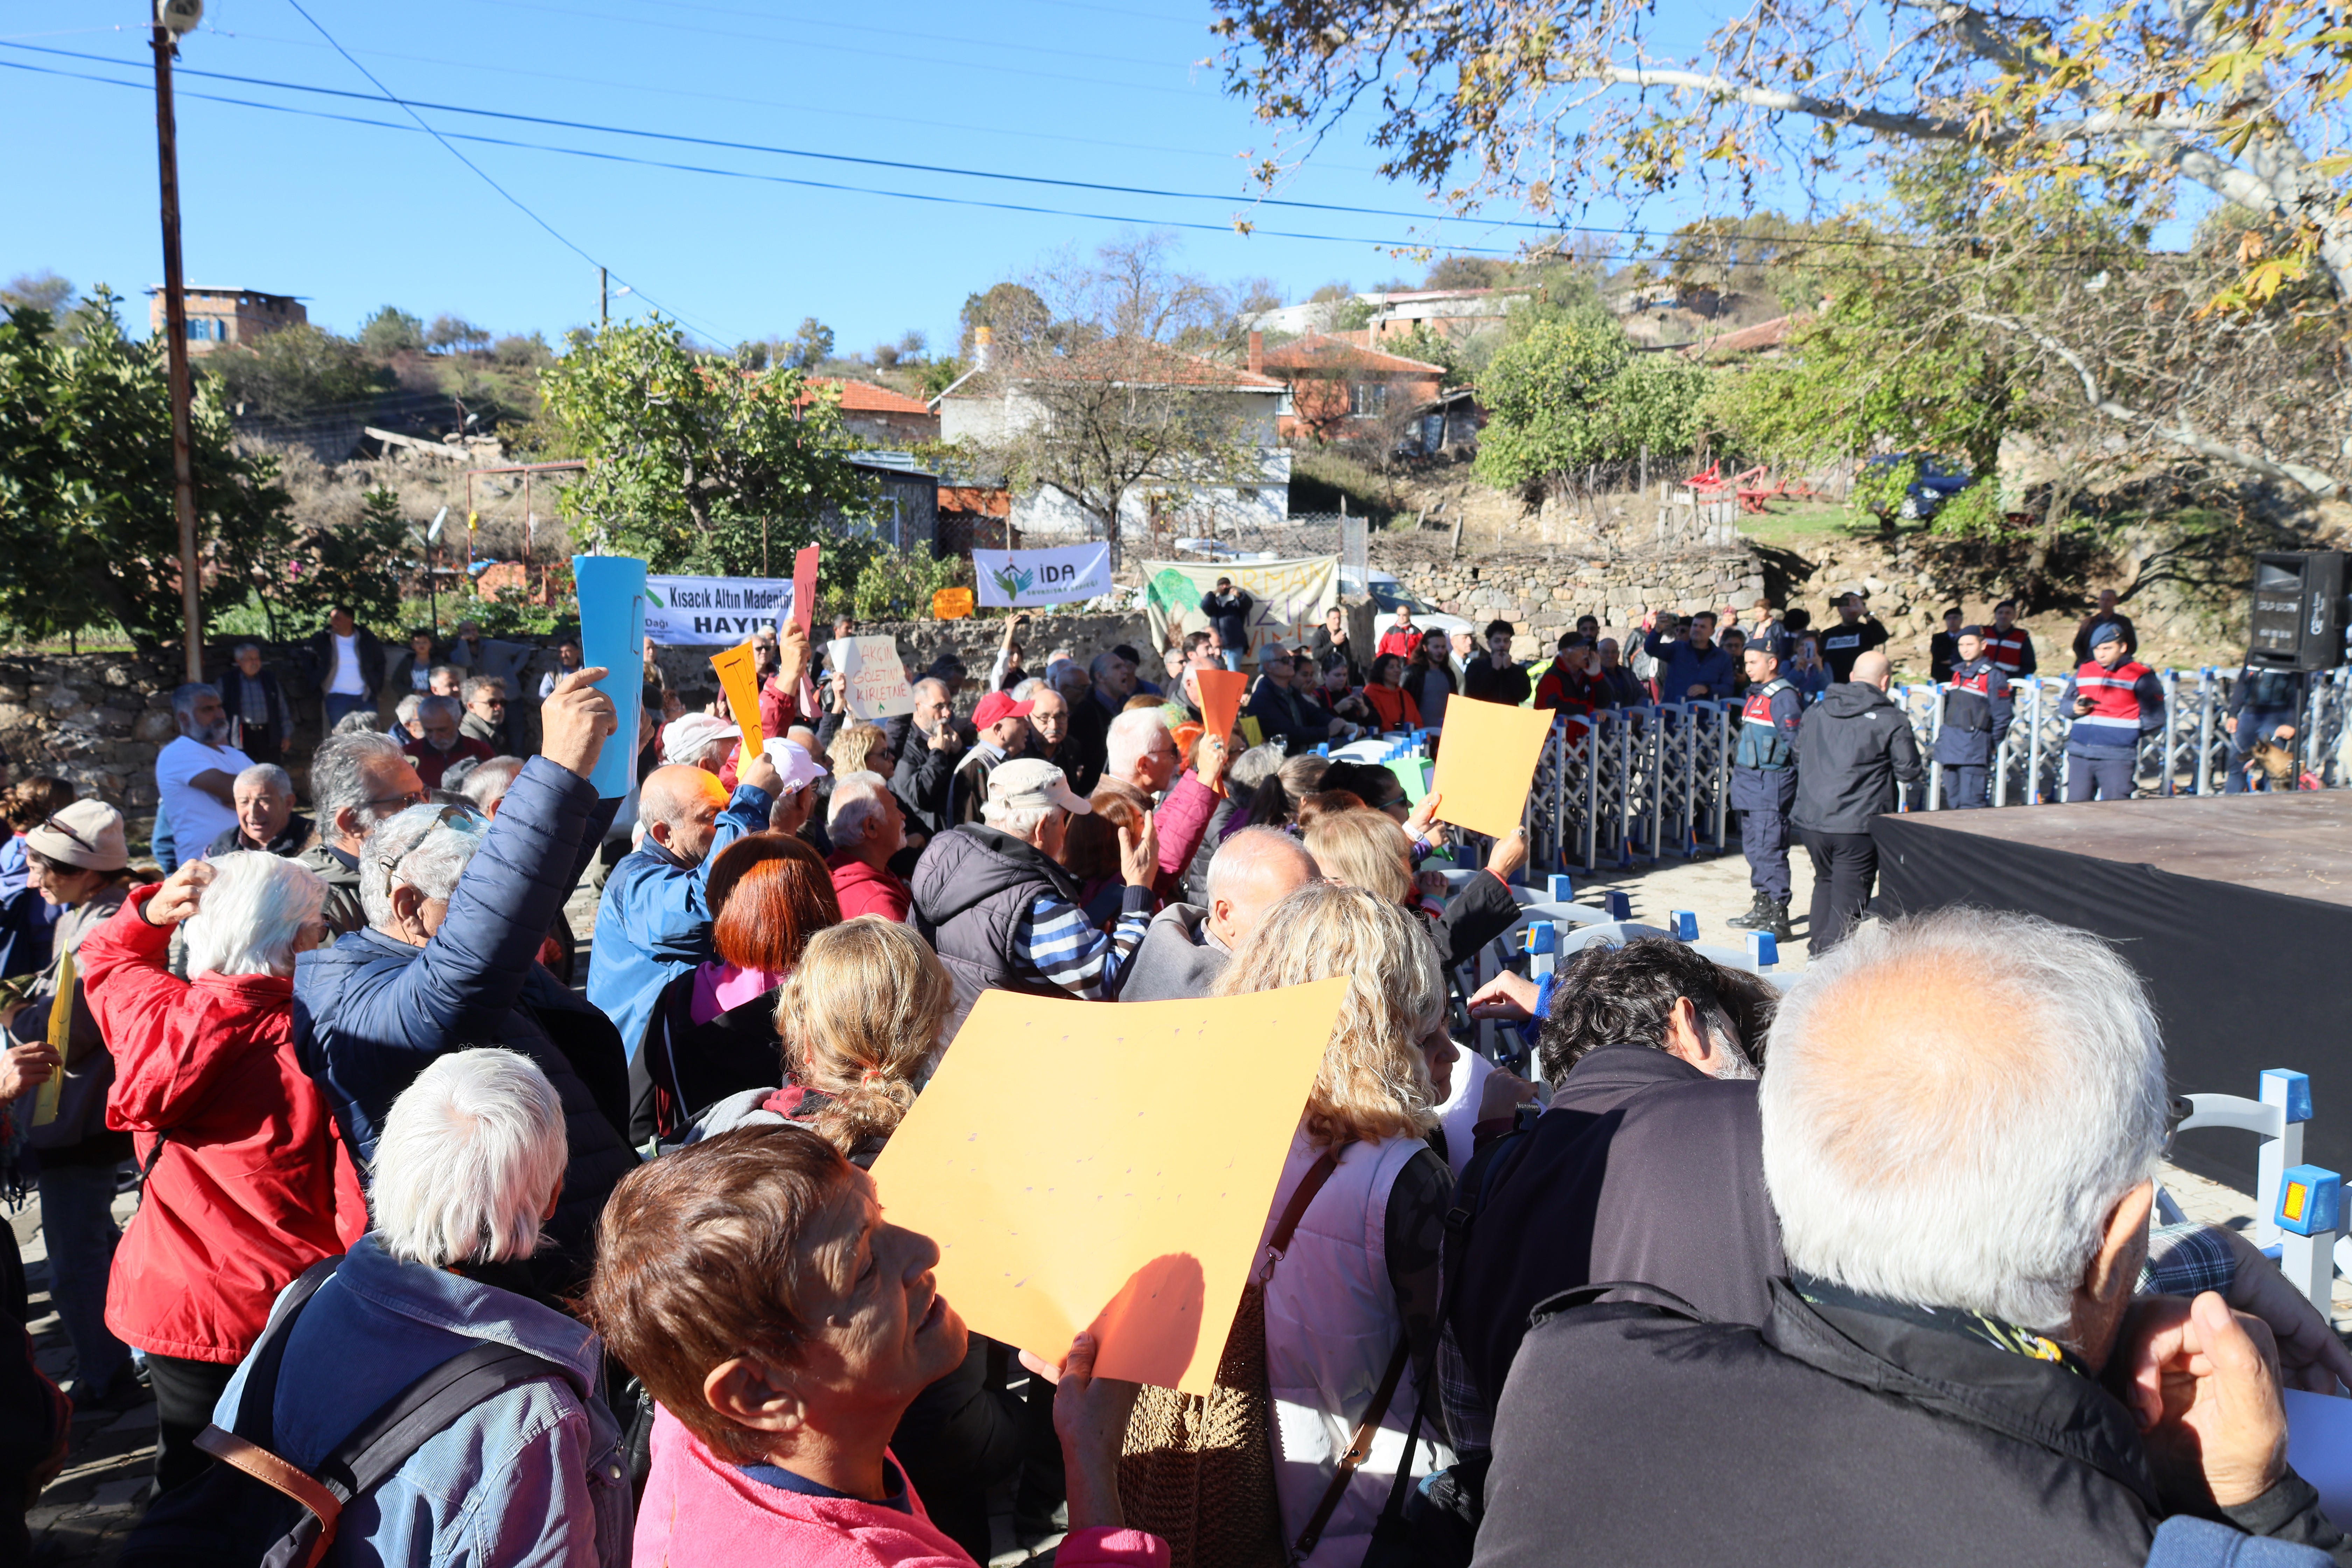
x=1032 y=781
x=88 y=834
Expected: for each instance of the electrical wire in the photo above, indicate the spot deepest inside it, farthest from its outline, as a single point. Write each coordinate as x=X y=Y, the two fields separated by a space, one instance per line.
x=516 y=202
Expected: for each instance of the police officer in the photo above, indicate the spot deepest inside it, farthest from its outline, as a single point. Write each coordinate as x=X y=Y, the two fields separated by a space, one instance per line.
x=1763 y=783
x=2263 y=701
x=2115 y=701
x=1977 y=708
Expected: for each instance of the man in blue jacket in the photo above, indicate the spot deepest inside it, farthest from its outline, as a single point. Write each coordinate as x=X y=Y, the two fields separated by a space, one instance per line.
x=655 y=920
x=1977 y=710
x=1764 y=785
x=456 y=907
x=1690 y=667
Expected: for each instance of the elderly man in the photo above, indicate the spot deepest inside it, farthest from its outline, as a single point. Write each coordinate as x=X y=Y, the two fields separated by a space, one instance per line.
x=485 y=697
x=196 y=775
x=1049 y=720
x=1113 y=683
x=1186 y=946
x=487 y=784
x=458 y=905
x=443 y=743
x=1003 y=913
x=925 y=776
x=866 y=827
x=1931 y=1385
x=1003 y=725
x=356 y=781
x=1283 y=711
x=701 y=741
x=653 y=921
x=265 y=817
x=1142 y=752
x=260 y=718
x=346 y=665
x=473 y=1153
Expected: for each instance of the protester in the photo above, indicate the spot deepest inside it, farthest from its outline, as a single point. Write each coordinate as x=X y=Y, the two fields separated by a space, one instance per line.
x=75 y=860
x=724 y=1282
x=1963 y=1229
x=797 y=774
x=1390 y=701
x=27 y=921
x=1002 y=911
x=2107 y=615
x=245 y=1185
x=1944 y=648
x=404 y=727
x=1857 y=632
x=1049 y=720
x=1090 y=852
x=475 y=654
x=456 y=907
x=1110 y=682
x=567 y=660
x=925 y=779
x=1572 y=681
x=712 y=1029
x=356 y=781
x=1401 y=639
x=652 y=922
x=265 y=817
x=485 y=697
x=411 y=673
x=1691 y=668
x=2116 y=700
x=1330 y=640
x=1806 y=671
x=487 y=784
x=867 y=828
x=1138 y=750
x=1852 y=750
x=1496 y=675
x=442 y=744
x=1354 y=1294
x=1430 y=678
x=346 y=664
x=1187 y=946
x=1282 y=712
x=1003 y=726
x=1369 y=848
x=1228 y=610
x=261 y=721
x=1277 y=801
x=196 y=775
x=699 y=741
x=472 y=1158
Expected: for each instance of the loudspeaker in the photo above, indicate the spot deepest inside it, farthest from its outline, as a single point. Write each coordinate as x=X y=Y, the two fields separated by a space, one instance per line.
x=2299 y=610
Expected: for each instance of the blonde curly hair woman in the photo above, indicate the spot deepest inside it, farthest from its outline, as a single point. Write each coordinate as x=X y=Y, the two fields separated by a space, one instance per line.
x=1356 y=1287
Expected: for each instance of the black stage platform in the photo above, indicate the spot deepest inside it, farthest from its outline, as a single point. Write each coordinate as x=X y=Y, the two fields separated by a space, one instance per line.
x=2237 y=911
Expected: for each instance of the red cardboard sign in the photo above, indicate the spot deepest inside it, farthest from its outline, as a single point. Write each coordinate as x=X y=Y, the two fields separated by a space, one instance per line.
x=804 y=589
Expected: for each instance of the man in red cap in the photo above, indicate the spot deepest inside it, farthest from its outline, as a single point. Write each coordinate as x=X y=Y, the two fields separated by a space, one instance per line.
x=1003 y=726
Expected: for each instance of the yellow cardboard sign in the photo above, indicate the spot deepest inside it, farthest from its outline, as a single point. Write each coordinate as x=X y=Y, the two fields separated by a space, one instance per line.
x=739 y=677
x=51 y=1093
x=1485 y=761
x=1138 y=1216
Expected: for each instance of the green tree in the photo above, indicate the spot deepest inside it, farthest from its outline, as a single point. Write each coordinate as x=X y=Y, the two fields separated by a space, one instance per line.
x=809 y=347
x=700 y=464
x=1571 y=391
x=390 y=330
x=286 y=373
x=448 y=332
x=86 y=503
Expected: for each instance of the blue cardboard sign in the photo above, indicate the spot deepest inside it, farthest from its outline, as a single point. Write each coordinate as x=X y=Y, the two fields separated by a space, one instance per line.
x=612 y=593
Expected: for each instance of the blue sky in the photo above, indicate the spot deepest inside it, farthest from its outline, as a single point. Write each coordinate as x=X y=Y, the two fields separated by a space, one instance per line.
x=352 y=217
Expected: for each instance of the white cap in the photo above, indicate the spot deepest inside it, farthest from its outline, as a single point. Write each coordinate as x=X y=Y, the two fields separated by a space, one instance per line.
x=792 y=760
x=689 y=735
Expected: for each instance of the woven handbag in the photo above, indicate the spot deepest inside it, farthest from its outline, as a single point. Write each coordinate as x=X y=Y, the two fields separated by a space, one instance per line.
x=1198 y=1470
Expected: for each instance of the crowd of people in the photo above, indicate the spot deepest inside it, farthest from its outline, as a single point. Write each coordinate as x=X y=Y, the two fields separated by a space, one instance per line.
x=1702 y=1270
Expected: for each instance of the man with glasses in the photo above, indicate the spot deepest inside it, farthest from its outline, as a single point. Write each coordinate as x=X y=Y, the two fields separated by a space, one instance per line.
x=485 y=697
x=356 y=781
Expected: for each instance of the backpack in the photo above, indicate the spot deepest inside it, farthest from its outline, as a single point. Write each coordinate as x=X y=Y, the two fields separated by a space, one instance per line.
x=254 y=1509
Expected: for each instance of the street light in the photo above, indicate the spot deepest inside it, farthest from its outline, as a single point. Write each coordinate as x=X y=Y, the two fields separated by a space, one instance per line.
x=174 y=17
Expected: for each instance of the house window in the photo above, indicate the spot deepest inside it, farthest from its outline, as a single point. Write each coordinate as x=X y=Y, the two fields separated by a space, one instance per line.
x=1368 y=399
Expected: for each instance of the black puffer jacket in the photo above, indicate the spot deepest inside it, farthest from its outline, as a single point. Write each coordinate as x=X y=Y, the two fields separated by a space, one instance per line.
x=1854 y=747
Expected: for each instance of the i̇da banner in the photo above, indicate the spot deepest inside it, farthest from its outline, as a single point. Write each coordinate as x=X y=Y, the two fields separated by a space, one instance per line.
x=1026 y=579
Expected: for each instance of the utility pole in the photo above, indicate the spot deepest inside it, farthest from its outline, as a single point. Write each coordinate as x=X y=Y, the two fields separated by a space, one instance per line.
x=174 y=17
x=603 y=301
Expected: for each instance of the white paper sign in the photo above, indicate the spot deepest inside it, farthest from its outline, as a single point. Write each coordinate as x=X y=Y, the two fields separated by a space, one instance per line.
x=877 y=684
x=1028 y=578
x=713 y=612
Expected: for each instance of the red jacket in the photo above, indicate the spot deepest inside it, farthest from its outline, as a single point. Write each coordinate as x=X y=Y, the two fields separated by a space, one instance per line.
x=1394 y=707
x=250 y=1186
x=866 y=889
x=1574 y=692
x=1401 y=644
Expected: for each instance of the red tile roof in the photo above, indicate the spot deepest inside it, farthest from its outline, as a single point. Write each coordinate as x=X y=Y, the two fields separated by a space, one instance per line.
x=864 y=397
x=1764 y=335
x=1318 y=352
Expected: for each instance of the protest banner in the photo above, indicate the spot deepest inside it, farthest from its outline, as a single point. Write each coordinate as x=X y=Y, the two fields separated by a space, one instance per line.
x=713 y=612
x=739 y=676
x=1291 y=597
x=803 y=602
x=1028 y=579
x=952 y=604
x=876 y=686
x=1221 y=699
x=1139 y=1218
x=1486 y=763
x=613 y=607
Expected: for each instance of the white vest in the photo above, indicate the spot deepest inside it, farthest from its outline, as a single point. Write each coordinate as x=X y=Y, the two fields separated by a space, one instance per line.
x=1331 y=1325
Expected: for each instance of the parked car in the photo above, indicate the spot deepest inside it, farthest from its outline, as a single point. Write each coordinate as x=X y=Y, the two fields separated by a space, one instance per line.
x=1935 y=482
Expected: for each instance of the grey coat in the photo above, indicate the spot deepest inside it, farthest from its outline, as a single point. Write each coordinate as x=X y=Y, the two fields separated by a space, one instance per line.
x=1180 y=959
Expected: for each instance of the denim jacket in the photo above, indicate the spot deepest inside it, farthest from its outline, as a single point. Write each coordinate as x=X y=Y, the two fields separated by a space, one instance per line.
x=533 y=1476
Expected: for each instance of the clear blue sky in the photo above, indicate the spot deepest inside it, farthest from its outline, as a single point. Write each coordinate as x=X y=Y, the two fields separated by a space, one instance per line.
x=353 y=216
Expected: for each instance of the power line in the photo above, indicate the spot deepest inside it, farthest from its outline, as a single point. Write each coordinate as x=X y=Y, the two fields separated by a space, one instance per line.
x=484 y=174
x=930 y=198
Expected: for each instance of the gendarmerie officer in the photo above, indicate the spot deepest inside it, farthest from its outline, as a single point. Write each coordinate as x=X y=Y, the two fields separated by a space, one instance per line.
x=1977 y=708
x=2263 y=701
x=2115 y=701
x=1764 y=784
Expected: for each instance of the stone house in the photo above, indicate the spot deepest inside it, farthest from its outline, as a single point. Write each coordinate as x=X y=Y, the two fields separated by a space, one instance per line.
x=1340 y=390
x=220 y=317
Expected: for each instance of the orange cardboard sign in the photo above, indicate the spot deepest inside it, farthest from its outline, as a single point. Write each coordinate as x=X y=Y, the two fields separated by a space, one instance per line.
x=739 y=677
x=951 y=604
x=1221 y=699
x=1486 y=763
x=1138 y=1217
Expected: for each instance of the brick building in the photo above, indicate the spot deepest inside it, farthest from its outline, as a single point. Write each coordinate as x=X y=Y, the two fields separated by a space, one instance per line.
x=219 y=317
x=877 y=413
x=1340 y=388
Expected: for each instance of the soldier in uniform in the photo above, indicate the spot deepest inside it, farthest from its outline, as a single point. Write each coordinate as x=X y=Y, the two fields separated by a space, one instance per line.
x=1977 y=708
x=2008 y=644
x=2263 y=703
x=2115 y=701
x=1763 y=783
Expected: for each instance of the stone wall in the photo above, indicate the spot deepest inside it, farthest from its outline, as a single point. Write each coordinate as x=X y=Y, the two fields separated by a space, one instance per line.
x=98 y=719
x=1542 y=595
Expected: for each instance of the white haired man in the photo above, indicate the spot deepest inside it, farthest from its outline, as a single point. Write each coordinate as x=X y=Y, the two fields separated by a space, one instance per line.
x=866 y=827
x=1955 y=1370
x=470 y=1162
x=653 y=921
x=1138 y=750
x=196 y=775
x=1187 y=946
x=928 y=750
x=457 y=906
x=444 y=745
x=265 y=817
x=356 y=781
x=1002 y=911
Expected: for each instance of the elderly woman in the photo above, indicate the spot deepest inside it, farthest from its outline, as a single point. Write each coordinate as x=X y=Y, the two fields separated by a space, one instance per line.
x=713 y=1030
x=468 y=1166
x=247 y=1184
x=784 y=1327
x=1355 y=1293
x=75 y=860
x=458 y=905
